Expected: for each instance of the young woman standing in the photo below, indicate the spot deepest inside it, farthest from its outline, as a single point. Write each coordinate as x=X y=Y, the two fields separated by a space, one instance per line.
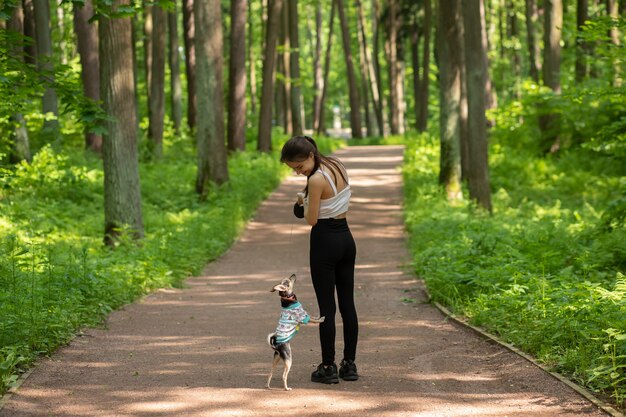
x=324 y=204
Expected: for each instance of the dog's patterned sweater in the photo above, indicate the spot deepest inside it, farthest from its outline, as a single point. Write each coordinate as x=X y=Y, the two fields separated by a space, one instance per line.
x=289 y=322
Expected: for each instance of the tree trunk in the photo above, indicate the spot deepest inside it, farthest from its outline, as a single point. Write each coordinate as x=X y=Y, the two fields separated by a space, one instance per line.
x=355 y=106
x=280 y=94
x=449 y=53
x=87 y=38
x=582 y=8
x=422 y=98
x=371 y=73
x=237 y=74
x=376 y=61
x=491 y=98
x=267 y=92
x=190 y=61
x=392 y=54
x=30 y=48
x=252 y=60
x=533 y=47
x=321 y=127
x=136 y=34
x=286 y=68
x=147 y=47
x=400 y=69
x=62 y=47
x=415 y=63
x=212 y=157
x=318 y=80
x=476 y=77
x=549 y=123
x=122 y=196
x=174 y=61
x=156 y=105
x=51 y=129
x=463 y=129
x=613 y=12
x=552 y=44
x=21 y=146
x=297 y=106
x=364 y=80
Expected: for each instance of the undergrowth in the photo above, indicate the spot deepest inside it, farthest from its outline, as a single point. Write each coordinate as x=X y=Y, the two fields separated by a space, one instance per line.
x=57 y=277
x=545 y=271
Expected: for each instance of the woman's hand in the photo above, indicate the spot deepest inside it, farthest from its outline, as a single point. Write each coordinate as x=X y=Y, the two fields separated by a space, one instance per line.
x=300 y=198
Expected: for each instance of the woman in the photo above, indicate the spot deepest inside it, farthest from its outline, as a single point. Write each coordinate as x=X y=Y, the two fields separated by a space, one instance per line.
x=324 y=203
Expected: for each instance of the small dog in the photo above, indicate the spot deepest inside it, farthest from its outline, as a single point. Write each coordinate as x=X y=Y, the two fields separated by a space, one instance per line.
x=292 y=315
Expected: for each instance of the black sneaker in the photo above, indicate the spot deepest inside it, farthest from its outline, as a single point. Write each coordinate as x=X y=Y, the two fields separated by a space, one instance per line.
x=347 y=371
x=325 y=374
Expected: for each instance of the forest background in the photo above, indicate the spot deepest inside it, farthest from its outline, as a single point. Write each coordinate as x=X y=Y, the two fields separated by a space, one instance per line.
x=137 y=138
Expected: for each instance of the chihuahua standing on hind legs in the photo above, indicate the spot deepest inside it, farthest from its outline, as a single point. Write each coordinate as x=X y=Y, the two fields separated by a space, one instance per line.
x=292 y=315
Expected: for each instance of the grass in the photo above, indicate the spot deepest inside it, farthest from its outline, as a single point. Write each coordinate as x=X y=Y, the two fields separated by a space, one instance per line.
x=56 y=276
x=545 y=271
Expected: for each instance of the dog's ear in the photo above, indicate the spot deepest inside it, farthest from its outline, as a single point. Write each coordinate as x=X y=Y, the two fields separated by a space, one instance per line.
x=279 y=287
x=293 y=277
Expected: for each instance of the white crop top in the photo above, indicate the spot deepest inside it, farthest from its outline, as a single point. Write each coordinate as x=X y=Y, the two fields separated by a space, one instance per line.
x=335 y=205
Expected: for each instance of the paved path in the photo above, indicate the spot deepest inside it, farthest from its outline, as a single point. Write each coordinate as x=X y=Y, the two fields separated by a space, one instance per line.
x=201 y=351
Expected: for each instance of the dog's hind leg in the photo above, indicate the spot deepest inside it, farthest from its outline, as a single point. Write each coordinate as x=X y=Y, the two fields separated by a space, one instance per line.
x=274 y=363
x=287 y=360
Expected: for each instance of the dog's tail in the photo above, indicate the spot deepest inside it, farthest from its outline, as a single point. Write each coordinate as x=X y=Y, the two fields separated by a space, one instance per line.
x=271 y=340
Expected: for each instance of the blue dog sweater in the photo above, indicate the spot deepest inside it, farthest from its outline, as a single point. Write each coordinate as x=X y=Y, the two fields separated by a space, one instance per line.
x=289 y=323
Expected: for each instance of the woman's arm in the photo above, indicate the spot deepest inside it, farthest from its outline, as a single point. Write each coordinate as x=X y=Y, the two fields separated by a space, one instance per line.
x=316 y=186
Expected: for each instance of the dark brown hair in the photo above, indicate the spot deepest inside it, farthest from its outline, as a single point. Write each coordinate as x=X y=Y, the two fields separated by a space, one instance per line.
x=298 y=148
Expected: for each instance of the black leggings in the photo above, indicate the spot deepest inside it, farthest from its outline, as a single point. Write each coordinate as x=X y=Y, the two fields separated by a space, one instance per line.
x=332 y=257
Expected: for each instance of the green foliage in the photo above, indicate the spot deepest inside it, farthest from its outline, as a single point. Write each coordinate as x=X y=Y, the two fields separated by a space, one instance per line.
x=55 y=274
x=21 y=87
x=545 y=270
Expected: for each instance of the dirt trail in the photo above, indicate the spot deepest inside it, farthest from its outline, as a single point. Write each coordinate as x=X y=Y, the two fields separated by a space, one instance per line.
x=201 y=351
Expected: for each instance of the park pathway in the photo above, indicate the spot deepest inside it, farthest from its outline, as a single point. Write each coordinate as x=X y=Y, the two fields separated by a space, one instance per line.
x=201 y=350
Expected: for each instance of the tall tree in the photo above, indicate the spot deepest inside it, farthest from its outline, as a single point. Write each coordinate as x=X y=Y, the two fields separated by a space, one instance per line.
x=189 y=37
x=476 y=80
x=174 y=61
x=267 y=90
x=87 y=38
x=156 y=105
x=211 y=147
x=321 y=123
x=297 y=106
x=533 y=47
x=122 y=196
x=21 y=146
x=251 y=60
x=491 y=99
x=613 y=13
x=364 y=87
x=553 y=22
x=237 y=74
x=147 y=45
x=394 y=76
x=30 y=48
x=353 y=89
x=582 y=14
x=449 y=47
x=371 y=72
x=285 y=67
x=318 y=80
x=44 y=62
x=414 y=39
x=422 y=98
